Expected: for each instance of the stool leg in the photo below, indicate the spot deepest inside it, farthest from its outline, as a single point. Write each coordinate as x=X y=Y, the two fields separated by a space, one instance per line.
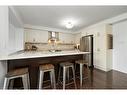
x=75 y=66
x=64 y=77
x=68 y=74
x=53 y=78
x=25 y=81
x=59 y=74
x=88 y=70
x=28 y=81
x=11 y=83
x=81 y=66
x=73 y=70
x=41 y=79
x=6 y=83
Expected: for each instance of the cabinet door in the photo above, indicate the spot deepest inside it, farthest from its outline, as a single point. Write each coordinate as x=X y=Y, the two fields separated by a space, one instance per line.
x=66 y=38
x=36 y=36
x=77 y=38
x=41 y=36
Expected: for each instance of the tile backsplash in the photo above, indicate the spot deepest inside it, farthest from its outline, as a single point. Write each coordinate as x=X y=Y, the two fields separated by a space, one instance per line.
x=46 y=46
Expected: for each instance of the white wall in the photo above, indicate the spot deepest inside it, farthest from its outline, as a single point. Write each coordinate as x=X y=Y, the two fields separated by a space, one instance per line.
x=16 y=33
x=3 y=41
x=3 y=30
x=120 y=46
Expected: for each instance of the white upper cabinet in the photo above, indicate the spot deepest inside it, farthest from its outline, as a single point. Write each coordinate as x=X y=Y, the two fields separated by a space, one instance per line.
x=67 y=38
x=77 y=38
x=41 y=36
x=38 y=36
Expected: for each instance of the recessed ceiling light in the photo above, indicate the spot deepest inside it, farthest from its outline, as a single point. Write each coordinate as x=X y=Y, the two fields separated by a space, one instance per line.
x=70 y=22
x=69 y=25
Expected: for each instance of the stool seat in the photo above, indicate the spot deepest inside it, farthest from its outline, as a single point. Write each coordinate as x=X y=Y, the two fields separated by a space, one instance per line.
x=46 y=67
x=66 y=64
x=17 y=72
x=81 y=62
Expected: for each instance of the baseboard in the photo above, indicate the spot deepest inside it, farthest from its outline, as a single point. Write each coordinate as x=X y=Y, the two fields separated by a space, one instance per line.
x=120 y=70
x=100 y=68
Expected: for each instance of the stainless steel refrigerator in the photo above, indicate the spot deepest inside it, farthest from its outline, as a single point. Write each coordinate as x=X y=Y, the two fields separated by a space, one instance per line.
x=86 y=45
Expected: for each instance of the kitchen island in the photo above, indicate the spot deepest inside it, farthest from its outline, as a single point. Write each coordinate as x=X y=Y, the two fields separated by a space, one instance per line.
x=32 y=60
x=38 y=54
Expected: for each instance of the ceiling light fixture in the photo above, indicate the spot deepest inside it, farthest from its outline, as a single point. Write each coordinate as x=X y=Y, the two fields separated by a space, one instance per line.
x=69 y=25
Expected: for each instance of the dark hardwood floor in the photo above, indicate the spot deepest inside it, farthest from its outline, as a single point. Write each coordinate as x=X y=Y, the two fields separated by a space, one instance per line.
x=98 y=80
x=101 y=80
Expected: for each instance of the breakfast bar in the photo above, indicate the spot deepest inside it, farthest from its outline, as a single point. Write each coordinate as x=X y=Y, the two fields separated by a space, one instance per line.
x=32 y=60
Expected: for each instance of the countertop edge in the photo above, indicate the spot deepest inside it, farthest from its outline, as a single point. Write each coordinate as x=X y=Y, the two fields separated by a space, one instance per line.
x=16 y=56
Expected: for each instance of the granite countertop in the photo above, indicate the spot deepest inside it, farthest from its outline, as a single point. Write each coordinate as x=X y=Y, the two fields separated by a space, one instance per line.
x=37 y=54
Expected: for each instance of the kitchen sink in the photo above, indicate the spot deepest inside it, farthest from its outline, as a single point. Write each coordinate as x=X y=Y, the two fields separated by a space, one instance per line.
x=55 y=50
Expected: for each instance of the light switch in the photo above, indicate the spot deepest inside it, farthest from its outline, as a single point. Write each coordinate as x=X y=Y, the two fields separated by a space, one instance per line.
x=98 y=34
x=98 y=49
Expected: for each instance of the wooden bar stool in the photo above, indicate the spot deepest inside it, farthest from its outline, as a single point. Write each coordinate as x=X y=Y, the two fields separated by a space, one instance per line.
x=47 y=68
x=66 y=66
x=82 y=63
x=17 y=73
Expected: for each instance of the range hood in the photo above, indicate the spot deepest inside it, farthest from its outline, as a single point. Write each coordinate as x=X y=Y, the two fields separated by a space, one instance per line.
x=53 y=36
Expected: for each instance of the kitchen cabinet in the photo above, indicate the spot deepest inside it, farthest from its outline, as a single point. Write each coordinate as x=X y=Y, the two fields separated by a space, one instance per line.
x=66 y=38
x=77 y=38
x=41 y=36
x=37 y=36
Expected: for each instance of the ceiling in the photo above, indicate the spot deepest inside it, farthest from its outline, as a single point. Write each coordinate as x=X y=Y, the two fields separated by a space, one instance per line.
x=54 y=16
